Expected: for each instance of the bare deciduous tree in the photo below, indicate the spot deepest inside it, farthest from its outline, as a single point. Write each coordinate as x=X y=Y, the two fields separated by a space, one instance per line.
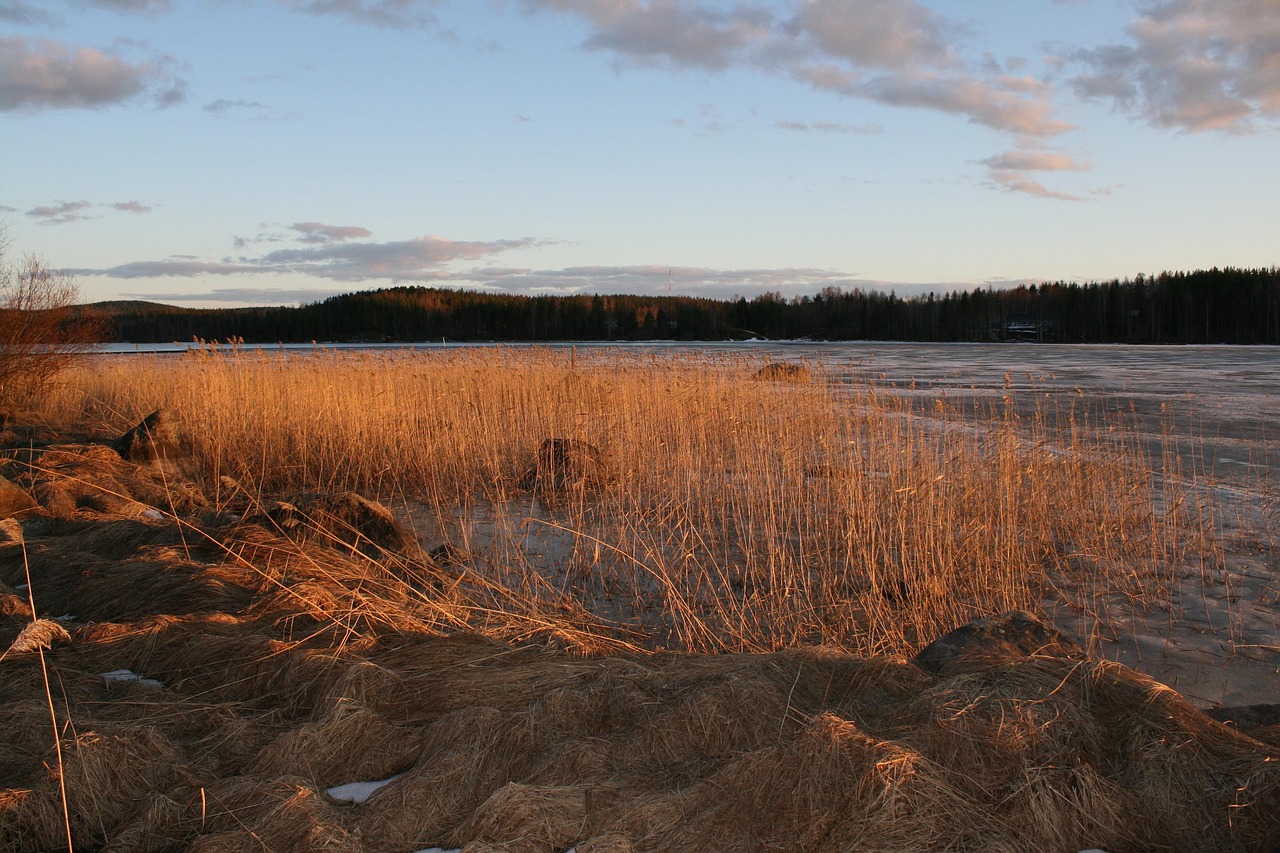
x=40 y=333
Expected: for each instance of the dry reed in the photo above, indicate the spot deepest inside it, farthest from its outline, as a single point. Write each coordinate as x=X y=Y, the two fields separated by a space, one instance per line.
x=738 y=514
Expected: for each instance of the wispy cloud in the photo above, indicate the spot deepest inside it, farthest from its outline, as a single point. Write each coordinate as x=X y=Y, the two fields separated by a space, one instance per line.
x=1013 y=170
x=894 y=52
x=254 y=110
x=171 y=268
x=62 y=212
x=419 y=259
x=130 y=5
x=392 y=14
x=38 y=74
x=897 y=53
x=24 y=14
x=829 y=127
x=318 y=232
x=654 y=279
x=327 y=252
x=241 y=295
x=1191 y=65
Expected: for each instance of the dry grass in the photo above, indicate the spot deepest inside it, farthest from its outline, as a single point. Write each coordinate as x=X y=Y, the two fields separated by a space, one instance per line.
x=736 y=514
x=731 y=514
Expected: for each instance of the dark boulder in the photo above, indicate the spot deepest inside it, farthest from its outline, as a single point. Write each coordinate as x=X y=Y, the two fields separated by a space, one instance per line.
x=783 y=371
x=1261 y=721
x=14 y=500
x=994 y=640
x=347 y=521
x=153 y=438
x=563 y=463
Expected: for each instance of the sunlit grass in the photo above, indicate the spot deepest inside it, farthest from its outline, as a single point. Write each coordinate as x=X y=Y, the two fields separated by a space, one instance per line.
x=737 y=514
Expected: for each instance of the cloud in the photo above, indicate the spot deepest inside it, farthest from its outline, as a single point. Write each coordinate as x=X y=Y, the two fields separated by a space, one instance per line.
x=419 y=259
x=256 y=110
x=1191 y=65
x=887 y=34
x=317 y=232
x=24 y=14
x=892 y=52
x=38 y=74
x=654 y=279
x=74 y=211
x=130 y=5
x=242 y=295
x=171 y=268
x=61 y=213
x=1012 y=170
x=392 y=14
x=829 y=127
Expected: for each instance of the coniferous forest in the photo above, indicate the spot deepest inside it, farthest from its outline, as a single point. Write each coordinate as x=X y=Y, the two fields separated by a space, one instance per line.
x=1236 y=306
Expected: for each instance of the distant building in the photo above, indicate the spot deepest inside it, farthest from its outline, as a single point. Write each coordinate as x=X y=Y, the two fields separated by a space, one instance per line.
x=1026 y=327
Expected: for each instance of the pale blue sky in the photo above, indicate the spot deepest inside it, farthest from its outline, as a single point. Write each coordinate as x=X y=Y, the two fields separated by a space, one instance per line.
x=218 y=152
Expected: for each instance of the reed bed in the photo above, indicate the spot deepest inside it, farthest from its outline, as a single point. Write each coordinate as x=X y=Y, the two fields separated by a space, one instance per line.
x=732 y=513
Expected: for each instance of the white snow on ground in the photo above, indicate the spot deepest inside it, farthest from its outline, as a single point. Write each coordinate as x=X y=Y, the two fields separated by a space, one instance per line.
x=358 y=792
x=125 y=676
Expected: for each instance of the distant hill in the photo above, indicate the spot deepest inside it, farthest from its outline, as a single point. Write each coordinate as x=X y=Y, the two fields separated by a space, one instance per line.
x=1206 y=306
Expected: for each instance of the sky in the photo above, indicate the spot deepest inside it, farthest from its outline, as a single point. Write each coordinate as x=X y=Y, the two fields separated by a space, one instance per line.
x=252 y=152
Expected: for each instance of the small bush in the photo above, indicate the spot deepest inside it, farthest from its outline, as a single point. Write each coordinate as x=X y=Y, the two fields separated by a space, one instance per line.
x=40 y=332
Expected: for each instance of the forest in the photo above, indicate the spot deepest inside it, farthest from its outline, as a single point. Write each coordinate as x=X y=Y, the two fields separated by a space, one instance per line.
x=1228 y=305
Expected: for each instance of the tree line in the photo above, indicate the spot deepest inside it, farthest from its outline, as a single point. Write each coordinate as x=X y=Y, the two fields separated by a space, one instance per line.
x=1230 y=305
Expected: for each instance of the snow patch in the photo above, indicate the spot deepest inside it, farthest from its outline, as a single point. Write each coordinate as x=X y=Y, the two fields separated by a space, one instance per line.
x=358 y=792
x=126 y=676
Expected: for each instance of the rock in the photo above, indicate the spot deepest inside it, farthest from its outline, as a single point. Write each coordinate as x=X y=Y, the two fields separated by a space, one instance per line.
x=347 y=521
x=14 y=500
x=783 y=371
x=562 y=463
x=994 y=640
x=1248 y=718
x=147 y=441
x=451 y=556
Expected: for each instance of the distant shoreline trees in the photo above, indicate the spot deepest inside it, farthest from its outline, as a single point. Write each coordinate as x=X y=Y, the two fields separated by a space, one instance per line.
x=1228 y=305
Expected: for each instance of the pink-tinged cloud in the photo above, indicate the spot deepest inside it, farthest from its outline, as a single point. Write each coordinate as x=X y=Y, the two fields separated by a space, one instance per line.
x=171 y=268
x=1191 y=65
x=1011 y=171
x=132 y=207
x=420 y=259
x=318 y=232
x=1034 y=161
x=38 y=74
x=884 y=34
x=893 y=52
x=980 y=101
x=61 y=213
x=829 y=127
